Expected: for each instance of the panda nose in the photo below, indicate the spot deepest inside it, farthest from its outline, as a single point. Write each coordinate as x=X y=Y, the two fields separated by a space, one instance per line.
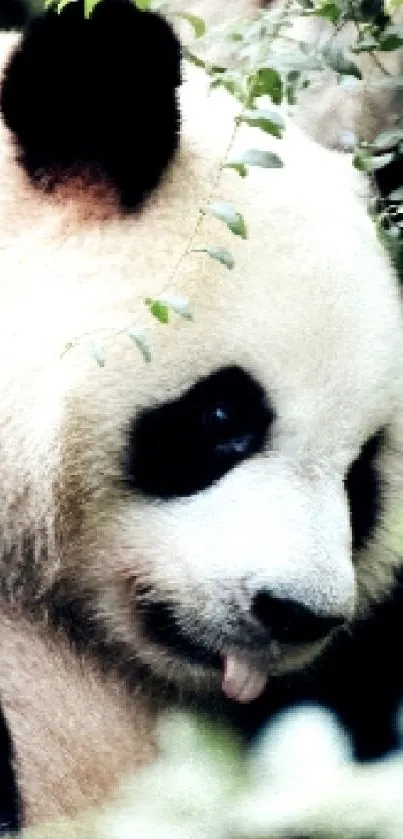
x=290 y=622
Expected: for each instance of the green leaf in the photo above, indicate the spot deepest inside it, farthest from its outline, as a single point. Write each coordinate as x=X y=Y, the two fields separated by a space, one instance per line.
x=158 y=309
x=178 y=304
x=292 y=80
x=397 y=194
x=60 y=4
x=391 y=38
x=390 y=43
x=237 y=166
x=267 y=82
x=193 y=59
x=338 y=62
x=143 y=5
x=219 y=254
x=388 y=139
x=256 y=157
x=89 y=6
x=269 y=121
x=232 y=81
x=224 y=212
x=329 y=11
x=198 y=25
x=141 y=342
x=365 y=45
x=394 y=29
x=369 y=163
x=98 y=353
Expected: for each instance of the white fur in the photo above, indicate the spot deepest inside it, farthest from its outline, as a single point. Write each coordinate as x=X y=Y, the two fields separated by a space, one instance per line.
x=311 y=309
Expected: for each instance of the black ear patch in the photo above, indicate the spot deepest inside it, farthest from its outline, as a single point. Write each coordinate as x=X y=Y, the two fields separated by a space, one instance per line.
x=97 y=93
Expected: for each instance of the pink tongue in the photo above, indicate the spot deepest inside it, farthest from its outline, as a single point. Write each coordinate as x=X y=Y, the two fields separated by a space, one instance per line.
x=241 y=682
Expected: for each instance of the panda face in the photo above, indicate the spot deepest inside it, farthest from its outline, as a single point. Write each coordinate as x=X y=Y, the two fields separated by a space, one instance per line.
x=232 y=487
x=214 y=514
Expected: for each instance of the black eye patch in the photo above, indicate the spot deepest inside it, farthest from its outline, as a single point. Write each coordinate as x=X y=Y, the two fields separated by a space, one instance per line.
x=363 y=485
x=185 y=445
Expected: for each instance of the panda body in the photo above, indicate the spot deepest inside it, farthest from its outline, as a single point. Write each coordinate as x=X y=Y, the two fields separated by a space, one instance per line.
x=199 y=526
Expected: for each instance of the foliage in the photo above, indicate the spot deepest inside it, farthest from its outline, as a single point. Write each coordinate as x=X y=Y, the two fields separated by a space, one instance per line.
x=299 y=779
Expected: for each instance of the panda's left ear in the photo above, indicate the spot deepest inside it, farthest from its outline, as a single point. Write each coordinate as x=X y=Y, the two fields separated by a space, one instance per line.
x=97 y=93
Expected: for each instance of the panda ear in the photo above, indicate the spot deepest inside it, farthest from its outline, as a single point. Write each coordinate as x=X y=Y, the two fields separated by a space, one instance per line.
x=98 y=93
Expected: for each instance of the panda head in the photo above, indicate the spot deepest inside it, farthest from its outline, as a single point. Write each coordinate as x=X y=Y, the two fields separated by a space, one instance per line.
x=215 y=514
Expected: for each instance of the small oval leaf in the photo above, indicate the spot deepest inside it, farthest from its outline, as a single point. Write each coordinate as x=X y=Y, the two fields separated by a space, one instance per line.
x=89 y=6
x=198 y=25
x=98 y=353
x=387 y=139
x=224 y=212
x=267 y=82
x=178 y=304
x=141 y=342
x=194 y=59
x=368 y=163
x=219 y=254
x=158 y=309
x=60 y=4
x=256 y=157
x=237 y=166
x=268 y=121
x=391 y=42
x=397 y=194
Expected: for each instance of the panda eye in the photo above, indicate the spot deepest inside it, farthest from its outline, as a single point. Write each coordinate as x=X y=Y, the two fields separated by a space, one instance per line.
x=185 y=445
x=216 y=417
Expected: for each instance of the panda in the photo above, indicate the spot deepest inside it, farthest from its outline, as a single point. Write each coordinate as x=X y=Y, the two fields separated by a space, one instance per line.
x=201 y=416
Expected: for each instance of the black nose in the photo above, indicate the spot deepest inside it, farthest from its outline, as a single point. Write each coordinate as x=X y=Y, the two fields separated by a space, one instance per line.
x=289 y=622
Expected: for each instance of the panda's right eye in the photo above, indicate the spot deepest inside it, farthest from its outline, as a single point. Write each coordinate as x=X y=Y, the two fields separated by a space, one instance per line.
x=216 y=417
x=185 y=445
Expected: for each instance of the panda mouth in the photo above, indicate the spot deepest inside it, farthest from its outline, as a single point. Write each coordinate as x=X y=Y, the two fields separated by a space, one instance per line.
x=243 y=680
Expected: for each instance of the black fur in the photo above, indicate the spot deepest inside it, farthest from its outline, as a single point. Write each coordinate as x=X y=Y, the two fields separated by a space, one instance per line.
x=14 y=14
x=364 y=489
x=360 y=677
x=10 y=809
x=98 y=93
x=183 y=446
x=162 y=627
x=290 y=622
x=390 y=177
